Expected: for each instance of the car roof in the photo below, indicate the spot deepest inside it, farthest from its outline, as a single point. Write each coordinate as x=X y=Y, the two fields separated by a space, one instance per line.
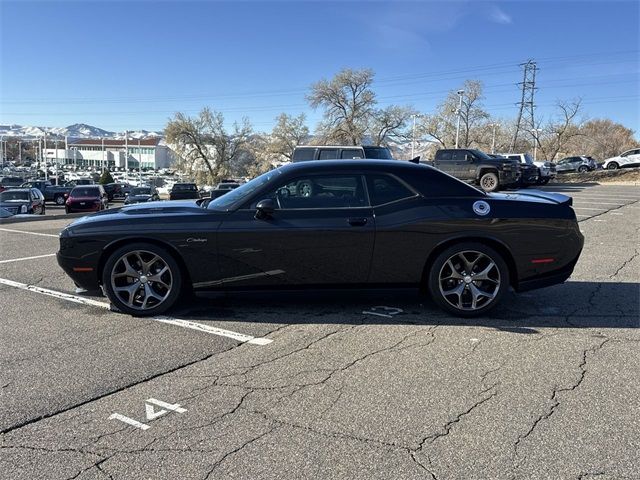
x=20 y=189
x=363 y=164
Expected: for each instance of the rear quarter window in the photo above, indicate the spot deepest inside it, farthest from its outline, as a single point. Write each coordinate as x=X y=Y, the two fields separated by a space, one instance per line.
x=301 y=154
x=432 y=183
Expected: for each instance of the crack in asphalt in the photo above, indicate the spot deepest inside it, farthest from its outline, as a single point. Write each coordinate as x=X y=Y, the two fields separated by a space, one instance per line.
x=556 y=401
x=625 y=263
x=236 y=450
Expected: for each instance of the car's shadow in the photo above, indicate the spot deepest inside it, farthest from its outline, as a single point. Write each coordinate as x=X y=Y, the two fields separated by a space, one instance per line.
x=571 y=305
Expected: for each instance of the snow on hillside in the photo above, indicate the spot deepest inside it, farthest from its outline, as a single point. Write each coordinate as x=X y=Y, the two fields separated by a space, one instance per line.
x=77 y=130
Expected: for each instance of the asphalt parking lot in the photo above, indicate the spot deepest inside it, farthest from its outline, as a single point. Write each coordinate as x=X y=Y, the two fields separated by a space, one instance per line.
x=326 y=384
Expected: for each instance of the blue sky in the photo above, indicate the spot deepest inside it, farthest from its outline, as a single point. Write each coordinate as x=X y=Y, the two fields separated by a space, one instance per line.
x=130 y=65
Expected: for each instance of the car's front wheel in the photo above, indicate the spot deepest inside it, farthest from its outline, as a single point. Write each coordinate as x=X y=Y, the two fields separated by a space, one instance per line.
x=59 y=200
x=613 y=166
x=489 y=182
x=468 y=279
x=142 y=279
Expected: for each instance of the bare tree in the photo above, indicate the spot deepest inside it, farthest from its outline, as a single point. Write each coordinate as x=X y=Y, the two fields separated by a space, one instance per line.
x=602 y=139
x=287 y=134
x=472 y=115
x=205 y=149
x=348 y=103
x=557 y=134
x=390 y=124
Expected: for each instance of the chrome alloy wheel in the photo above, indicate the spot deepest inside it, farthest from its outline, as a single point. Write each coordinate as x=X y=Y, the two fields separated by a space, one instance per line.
x=142 y=280
x=469 y=280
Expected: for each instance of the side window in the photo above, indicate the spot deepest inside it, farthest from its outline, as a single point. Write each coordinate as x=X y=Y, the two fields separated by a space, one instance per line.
x=351 y=153
x=320 y=191
x=459 y=155
x=328 y=154
x=444 y=156
x=384 y=189
x=304 y=154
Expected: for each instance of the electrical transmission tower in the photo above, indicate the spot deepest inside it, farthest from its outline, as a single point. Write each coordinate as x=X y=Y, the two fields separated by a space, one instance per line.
x=525 y=115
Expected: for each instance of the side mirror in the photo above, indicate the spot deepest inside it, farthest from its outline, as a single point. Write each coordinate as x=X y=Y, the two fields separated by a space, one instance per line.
x=265 y=208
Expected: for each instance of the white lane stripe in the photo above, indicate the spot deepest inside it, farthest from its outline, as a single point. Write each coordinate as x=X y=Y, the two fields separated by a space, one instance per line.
x=27 y=258
x=29 y=233
x=240 y=337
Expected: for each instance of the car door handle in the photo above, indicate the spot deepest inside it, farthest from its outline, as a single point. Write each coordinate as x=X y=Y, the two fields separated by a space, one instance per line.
x=357 y=222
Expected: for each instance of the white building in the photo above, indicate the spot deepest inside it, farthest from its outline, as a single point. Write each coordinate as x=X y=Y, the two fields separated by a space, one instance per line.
x=145 y=153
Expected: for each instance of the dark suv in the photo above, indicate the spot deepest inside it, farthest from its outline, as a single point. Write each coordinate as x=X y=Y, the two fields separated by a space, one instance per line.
x=184 y=191
x=477 y=167
x=333 y=152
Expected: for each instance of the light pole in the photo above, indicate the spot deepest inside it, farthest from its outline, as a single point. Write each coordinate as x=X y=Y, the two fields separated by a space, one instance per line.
x=535 y=133
x=460 y=93
x=493 y=141
x=413 y=134
x=75 y=158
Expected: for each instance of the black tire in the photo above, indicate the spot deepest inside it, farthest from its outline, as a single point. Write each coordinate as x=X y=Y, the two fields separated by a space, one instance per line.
x=543 y=181
x=583 y=169
x=489 y=182
x=66 y=210
x=613 y=166
x=59 y=200
x=135 y=303
x=42 y=211
x=439 y=282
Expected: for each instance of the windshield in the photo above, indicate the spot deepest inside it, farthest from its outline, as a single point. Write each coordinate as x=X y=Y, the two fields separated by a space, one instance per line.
x=243 y=191
x=10 y=196
x=481 y=155
x=528 y=159
x=140 y=191
x=380 y=153
x=85 y=192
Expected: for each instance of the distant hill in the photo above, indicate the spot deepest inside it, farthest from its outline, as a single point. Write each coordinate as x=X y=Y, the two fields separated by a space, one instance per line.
x=77 y=130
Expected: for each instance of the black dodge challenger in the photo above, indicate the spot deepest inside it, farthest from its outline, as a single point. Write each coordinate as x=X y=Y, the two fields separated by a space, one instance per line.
x=339 y=223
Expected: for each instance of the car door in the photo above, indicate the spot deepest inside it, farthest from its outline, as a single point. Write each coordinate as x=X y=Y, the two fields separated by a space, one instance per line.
x=321 y=232
x=464 y=165
x=632 y=157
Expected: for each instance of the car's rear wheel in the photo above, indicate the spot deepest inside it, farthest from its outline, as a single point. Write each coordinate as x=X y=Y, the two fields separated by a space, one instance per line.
x=489 y=182
x=468 y=279
x=543 y=181
x=613 y=166
x=142 y=279
x=583 y=169
x=59 y=200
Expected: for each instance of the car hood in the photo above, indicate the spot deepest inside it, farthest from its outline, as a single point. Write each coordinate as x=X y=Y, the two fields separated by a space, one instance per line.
x=534 y=196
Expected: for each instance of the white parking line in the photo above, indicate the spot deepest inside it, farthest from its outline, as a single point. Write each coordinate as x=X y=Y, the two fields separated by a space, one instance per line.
x=584 y=208
x=598 y=203
x=29 y=233
x=240 y=337
x=27 y=258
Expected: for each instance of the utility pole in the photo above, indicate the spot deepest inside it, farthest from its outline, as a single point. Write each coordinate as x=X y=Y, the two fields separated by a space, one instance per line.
x=493 y=141
x=126 y=155
x=525 y=119
x=413 y=134
x=535 y=133
x=460 y=93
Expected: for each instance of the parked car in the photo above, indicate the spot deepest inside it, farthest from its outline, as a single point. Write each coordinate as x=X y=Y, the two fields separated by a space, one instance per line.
x=546 y=171
x=477 y=167
x=630 y=158
x=80 y=181
x=141 y=194
x=331 y=152
x=184 y=191
x=362 y=223
x=11 y=182
x=576 y=164
x=222 y=188
x=52 y=193
x=86 y=198
x=23 y=201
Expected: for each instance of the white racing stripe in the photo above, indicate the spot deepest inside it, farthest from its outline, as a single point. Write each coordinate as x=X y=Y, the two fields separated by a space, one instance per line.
x=240 y=337
x=27 y=258
x=28 y=233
